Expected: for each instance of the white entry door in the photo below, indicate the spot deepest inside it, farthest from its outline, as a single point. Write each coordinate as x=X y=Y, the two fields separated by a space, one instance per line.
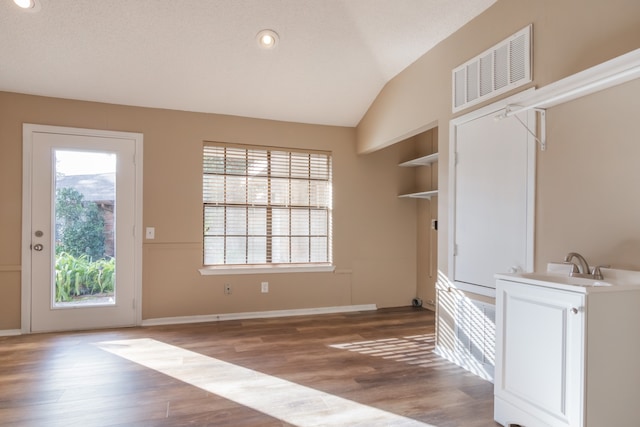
x=81 y=207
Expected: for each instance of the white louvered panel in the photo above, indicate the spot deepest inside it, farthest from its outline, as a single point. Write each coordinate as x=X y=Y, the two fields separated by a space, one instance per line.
x=472 y=81
x=505 y=66
x=459 y=78
x=501 y=68
x=518 y=50
x=475 y=333
x=486 y=74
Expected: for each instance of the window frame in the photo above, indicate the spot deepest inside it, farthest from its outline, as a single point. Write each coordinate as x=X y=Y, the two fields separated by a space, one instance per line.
x=212 y=205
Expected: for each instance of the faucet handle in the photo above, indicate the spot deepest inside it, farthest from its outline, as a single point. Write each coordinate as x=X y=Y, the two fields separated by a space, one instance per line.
x=574 y=268
x=597 y=274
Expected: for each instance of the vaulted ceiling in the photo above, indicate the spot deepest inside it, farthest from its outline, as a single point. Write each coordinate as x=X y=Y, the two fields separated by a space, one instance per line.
x=332 y=58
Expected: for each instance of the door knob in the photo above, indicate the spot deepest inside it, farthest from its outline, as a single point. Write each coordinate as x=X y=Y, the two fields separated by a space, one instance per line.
x=38 y=247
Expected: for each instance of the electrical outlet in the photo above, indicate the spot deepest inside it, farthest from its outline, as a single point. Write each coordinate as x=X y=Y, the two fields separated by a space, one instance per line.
x=265 y=287
x=150 y=233
x=227 y=289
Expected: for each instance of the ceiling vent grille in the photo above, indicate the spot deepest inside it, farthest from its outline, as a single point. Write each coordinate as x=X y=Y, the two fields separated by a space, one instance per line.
x=505 y=66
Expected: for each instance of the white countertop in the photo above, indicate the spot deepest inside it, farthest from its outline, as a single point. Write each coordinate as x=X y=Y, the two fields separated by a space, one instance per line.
x=614 y=281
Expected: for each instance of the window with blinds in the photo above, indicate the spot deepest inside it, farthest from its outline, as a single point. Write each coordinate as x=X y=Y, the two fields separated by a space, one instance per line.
x=266 y=205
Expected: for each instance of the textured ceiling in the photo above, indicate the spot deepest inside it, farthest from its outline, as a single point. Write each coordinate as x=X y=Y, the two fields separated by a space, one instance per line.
x=332 y=60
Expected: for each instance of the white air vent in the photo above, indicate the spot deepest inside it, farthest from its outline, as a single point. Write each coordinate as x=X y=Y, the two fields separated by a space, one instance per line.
x=505 y=66
x=475 y=330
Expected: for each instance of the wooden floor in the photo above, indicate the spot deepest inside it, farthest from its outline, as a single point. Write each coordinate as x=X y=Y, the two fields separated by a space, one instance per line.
x=357 y=369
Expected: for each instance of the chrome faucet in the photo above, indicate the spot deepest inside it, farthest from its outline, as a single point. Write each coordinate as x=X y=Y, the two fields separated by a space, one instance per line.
x=583 y=268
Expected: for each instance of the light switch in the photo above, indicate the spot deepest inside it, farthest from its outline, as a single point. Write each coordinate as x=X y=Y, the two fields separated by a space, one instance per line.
x=150 y=233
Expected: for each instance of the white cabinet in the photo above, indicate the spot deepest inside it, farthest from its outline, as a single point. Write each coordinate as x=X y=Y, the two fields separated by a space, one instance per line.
x=539 y=350
x=566 y=357
x=491 y=200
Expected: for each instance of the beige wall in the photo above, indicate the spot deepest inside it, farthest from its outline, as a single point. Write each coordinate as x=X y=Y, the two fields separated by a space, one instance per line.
x=568 y=36
x=588 y=197
x=427 y=255
x=587 y=205
x=377 y=238
x=374 y=231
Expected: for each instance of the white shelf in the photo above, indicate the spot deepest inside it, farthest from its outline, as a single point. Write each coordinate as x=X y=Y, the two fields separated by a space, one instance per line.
x=420 y=195
x=421 y=161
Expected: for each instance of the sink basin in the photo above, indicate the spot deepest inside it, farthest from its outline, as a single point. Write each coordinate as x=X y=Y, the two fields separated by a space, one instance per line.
x=614 y=279
x=564 y=280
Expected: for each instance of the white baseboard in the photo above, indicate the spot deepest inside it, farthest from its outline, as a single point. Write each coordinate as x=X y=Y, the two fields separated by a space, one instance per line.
x=257 y=315
x=10 y=332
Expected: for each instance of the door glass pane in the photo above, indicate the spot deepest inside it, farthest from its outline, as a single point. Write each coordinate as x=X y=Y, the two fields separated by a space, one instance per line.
x=85 y=217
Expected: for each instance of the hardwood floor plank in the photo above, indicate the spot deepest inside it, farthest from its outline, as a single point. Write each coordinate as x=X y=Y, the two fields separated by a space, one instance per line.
x=380 y=360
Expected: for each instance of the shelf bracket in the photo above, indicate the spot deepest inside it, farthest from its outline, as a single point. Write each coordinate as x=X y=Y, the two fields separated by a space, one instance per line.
x=542 y=140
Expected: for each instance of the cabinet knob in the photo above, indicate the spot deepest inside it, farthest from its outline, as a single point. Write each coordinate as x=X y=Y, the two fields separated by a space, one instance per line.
x=575 y=310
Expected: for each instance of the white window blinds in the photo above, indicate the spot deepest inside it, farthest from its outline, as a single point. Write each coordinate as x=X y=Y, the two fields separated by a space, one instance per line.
x=266 y=205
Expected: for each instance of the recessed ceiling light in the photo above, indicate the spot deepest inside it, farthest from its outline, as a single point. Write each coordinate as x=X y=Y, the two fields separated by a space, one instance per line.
x=28 y=5
x=267 y=39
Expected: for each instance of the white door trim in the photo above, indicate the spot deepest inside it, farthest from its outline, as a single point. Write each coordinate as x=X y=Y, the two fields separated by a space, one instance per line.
x=28 y=130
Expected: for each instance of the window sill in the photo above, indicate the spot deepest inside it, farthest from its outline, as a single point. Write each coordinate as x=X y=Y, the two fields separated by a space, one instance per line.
x=262 y=269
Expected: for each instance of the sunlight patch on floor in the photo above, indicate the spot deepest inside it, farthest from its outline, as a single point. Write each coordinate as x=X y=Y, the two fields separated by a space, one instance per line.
x=290 y=402
x=414 y=350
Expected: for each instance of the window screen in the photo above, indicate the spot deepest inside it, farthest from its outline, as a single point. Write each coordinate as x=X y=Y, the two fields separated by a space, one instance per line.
x=266 y=205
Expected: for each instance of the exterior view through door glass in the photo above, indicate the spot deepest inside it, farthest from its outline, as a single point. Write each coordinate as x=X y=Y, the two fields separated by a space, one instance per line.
x=82 y=261
x=85 y=257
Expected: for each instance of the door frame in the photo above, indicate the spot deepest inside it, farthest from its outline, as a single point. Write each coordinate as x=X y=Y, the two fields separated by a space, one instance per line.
x=28 y=129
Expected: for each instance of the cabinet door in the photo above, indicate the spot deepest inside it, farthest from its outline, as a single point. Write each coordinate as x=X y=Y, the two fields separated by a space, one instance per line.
x=493 y=179
x=539 y=351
